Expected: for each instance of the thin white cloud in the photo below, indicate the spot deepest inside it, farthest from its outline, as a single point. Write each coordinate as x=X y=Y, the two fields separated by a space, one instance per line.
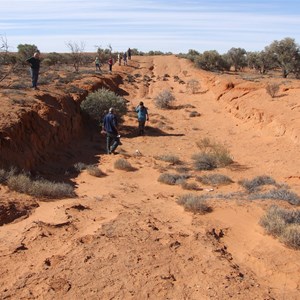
x=177 y=24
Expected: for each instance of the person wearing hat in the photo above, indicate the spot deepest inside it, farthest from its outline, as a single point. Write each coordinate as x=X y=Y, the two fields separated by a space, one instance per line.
x=142 y=117
x=110 y=126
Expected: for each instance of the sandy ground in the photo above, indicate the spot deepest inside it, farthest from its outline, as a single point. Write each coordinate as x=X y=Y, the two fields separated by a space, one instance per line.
x=125 y=236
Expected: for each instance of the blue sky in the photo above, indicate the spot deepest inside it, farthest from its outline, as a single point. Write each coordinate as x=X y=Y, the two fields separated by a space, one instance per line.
x=175 y=25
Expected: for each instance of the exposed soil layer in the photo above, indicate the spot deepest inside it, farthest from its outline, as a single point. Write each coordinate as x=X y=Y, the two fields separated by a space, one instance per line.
x=125 y=236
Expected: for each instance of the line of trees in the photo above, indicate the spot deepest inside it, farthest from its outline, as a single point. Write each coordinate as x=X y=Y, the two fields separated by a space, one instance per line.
x=283 y=55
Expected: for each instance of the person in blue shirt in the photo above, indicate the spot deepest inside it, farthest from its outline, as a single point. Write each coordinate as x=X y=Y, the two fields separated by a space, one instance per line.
x=110 y=126
x=142 y=117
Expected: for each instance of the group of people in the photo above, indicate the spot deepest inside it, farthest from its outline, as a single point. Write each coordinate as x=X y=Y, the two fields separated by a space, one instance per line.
x=125 y=57
x=110 y=127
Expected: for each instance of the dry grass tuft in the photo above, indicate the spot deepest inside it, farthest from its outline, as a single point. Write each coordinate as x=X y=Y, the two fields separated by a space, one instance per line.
x=22 y=183
x=172 y=159
x=94 y=171
x=172 y=179
x=284 y=224
x=195 y=204
x=272 y=89
x=123 y=164
x=214 y=179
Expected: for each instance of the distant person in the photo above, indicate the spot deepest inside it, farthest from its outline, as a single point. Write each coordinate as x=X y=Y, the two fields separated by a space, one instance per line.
x=110 y=126
x=110 y=64
x=129 y=53
x=97 y=64
x=125 y=58
x=143 y=116
x=120 y=58
x=34 y=62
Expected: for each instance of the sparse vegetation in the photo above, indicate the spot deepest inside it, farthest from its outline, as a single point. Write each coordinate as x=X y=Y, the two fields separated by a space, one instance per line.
x=172 y=179
x=284 y=224
x=278 y=194
x=212 y=155
x=94 y=171
x=272 y=89
x=214 y=179
x=195 y=204
x=193 y=86
x=164 y=99
x=190 y=186
x=22 y=183
x=256 y=183
x=123 y=164
x=172 y=159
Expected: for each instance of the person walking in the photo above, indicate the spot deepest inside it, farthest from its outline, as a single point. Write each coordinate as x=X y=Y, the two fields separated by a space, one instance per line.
x=97 y=64
x=110 y=126
x=129 y=53
x=120 y=58
x=34 y=62
x=125 y=58
x=110 y=64
x=143 y=116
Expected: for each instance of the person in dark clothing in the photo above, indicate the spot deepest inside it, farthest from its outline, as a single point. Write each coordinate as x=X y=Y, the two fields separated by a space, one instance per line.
x=142 y=117
x=110 y=126
x=110 y=64
x=34 y=62
x=129 y=53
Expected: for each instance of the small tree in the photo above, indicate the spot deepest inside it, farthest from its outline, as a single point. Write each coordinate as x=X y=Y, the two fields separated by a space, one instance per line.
x=285 y=54
x=76 y=54
x=237 y=58
x=25 y=51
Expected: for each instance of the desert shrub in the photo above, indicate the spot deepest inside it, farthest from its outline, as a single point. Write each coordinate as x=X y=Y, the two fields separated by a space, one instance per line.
x=196 y=204
x=256 y=183
x=173 y=159
x=22 y=183
x=213 y=155
x=278 y=194
x=190 y=186
x=284 y=224
x=172 y=179
x=99 y=102
x=204 y=161
x=193 y=86
x=94 y=171
x=214 y=179
x=164 y=99
x=123 y=164
x=272 y=89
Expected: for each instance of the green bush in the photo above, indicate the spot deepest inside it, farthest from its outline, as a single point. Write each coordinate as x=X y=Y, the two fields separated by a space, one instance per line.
x=99 y=102
x=164 y=99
